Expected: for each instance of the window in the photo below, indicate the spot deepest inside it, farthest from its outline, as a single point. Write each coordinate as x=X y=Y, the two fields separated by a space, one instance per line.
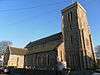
x=71 y=39
x=87 y=42
x=70 y=20
x=17 y=60
x=61 y=55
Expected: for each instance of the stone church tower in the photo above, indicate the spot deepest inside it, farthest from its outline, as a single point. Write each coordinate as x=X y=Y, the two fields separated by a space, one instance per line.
x=77 y=38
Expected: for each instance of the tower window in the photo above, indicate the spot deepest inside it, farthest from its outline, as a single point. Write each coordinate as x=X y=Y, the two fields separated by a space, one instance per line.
x=71 y=39
x=70 y=19
x=87 y=42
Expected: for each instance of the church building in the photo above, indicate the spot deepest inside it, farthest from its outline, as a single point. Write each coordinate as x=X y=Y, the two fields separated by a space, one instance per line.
x=72 y=48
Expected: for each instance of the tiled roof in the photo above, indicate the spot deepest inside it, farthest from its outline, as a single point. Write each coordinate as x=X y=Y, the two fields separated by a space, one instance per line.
x=45 y=44
x=17 y=51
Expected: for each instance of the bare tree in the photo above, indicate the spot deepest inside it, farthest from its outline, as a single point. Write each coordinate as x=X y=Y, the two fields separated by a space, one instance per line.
x=4 y=45
x=97 y=50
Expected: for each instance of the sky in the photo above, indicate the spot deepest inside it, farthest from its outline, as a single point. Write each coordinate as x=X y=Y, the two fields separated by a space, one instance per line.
x=24 y=21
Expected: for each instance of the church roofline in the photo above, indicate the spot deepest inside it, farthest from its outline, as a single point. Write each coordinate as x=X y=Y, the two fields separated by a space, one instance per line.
x=17 y=51
x=44 y=39
x=44 y=44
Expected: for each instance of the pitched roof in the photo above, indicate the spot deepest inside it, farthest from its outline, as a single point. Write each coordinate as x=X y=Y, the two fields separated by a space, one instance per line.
x=17 y=51
x=45 y=44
